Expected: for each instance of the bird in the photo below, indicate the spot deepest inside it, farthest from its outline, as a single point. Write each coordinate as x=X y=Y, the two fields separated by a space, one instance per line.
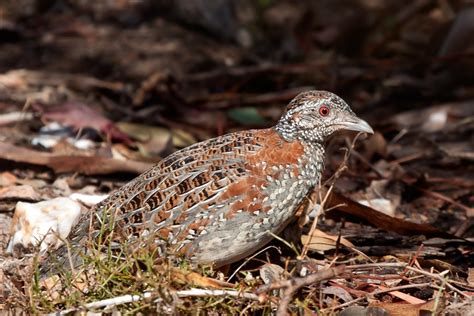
x=220 y=200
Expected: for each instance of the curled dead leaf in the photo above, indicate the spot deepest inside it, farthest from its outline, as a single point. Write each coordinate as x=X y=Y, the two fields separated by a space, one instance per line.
x=153 y=141
x=320 y=241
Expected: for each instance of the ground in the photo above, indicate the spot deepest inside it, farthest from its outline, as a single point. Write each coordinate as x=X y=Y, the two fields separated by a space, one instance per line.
x=92 y=94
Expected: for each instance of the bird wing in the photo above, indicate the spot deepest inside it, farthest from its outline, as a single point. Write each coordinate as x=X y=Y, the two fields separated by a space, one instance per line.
x=179 y=190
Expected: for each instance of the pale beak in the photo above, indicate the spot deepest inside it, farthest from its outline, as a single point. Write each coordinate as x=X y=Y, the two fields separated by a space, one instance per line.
x=353 y=123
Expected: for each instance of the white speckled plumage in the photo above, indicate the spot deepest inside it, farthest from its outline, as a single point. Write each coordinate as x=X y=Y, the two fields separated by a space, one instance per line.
x=219 y=200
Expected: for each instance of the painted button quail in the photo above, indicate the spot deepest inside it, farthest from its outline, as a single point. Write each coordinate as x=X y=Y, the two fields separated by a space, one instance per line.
x=217 y=201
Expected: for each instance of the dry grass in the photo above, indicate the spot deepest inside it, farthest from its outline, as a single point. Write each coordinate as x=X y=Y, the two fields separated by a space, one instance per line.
x=134 y=280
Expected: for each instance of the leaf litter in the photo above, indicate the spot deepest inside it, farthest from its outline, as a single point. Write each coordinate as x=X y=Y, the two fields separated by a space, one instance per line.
x=395 y=232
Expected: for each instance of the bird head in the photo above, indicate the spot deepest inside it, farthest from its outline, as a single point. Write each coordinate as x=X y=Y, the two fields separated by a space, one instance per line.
x=313 y=116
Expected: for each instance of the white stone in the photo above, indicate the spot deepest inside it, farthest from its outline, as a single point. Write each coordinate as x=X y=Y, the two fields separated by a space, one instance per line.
x=40 y=224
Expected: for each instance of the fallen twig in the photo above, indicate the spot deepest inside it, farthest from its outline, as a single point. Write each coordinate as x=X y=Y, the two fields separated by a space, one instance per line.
x=125 y=299
x=205 y=292
x=294 y=284
x=440 y=278
x=377 y=265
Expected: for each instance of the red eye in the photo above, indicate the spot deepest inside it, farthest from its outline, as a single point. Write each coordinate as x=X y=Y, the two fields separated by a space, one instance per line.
x=324 y=110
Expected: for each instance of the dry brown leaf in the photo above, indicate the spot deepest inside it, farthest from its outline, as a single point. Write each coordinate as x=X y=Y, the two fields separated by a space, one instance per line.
x=19 y=192
x=403 y=296
x=320 y=241
x=62 y=163
x=378 y=219
x=401 y=309
x=198 y=280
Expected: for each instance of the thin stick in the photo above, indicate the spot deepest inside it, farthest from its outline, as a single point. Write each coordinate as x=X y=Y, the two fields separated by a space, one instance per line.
x=125 y=299
x=439 y=278
x=377 y=265
x=205 y=292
